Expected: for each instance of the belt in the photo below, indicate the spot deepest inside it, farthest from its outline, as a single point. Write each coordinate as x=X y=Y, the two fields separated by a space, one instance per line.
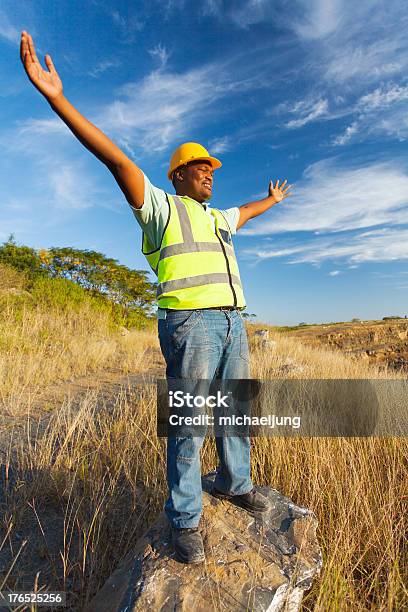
x=162 y=312
x=209 y=308
x=220 y=308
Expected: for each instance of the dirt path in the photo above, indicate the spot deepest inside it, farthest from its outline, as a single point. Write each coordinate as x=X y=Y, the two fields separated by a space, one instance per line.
x=40 y=407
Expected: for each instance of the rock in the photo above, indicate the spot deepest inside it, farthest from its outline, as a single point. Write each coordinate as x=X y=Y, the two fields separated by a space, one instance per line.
x=261 y=334
x=251 y=564
x=376 y=342
x=268 y=344
x=262 y=339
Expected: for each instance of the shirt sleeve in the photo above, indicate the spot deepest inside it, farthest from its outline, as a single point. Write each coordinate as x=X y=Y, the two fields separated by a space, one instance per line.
x=152 y=216
x=231 y=216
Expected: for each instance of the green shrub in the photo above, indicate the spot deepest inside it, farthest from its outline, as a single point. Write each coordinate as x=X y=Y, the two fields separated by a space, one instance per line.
x=58 y=293
x=23 y=259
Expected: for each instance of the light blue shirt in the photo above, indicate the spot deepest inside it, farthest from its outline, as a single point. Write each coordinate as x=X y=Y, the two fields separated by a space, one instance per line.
x=153 y=215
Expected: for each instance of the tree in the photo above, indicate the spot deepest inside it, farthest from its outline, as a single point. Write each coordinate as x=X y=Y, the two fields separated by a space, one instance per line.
x=91 y=270
x=99 y=274
x=248 y=315
x=22 y=258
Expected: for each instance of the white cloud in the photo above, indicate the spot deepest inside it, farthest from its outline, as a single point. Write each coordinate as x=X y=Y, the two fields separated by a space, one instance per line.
x=319 y=108
x=334 y=273
x=349 y=132
x=70 y=187
x=41 y=127
x=128 y=26
x=166 y=106
x=382 y=111
x=7 y=30
x=335 y=198
x=383 y=97
x=242 y=13
x=118 y=18
x=365 y=63
x=103 y=66
x=55 y=177
x=220 y=145
x=161 y=53
x=382 y=245
x=320 y=18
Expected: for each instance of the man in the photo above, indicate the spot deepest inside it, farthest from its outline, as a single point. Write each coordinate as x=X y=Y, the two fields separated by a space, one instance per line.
x=201 y=331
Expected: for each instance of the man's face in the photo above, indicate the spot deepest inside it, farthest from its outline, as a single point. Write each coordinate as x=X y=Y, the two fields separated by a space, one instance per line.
x=196 y=180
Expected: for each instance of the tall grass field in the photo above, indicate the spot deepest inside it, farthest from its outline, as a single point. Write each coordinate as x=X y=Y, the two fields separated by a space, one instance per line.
x=79 y=490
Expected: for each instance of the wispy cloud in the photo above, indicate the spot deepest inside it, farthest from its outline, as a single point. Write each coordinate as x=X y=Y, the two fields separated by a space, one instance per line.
x=103 y=66
x=383 y=97
x=381 y=111
x=129 y=24
x=367 y=63
x=161 y=53
x=221 y=145
x=382 y=245
x=70 y=187
x=319 y=19
x=242 y=13
x=308 y=112
x=41 y=127
x=335 y=197
x=7 y=30
x=349 y=132
x=166 y=105
x=349 y=42
x=55 y=177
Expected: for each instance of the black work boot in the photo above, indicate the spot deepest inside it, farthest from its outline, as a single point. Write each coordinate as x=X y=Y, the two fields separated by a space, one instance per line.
x=253 y=502
x=188 y=545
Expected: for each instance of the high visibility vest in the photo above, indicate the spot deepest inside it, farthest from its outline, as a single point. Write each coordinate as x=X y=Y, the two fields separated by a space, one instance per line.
x=195 y=266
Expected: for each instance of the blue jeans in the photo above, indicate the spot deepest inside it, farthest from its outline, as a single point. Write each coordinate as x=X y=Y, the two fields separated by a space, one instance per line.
x=204 y=344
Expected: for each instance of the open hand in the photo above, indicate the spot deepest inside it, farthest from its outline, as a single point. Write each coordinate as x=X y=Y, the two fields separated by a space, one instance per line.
x=279 y=193
x=46 y=81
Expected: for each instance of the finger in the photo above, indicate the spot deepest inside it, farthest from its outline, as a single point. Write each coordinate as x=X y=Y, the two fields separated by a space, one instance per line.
x=32 y=50
x=283 y=184
x=24 y=50
x=50 y=64
x=287 y=187
x=23 y=47
x=277 y=184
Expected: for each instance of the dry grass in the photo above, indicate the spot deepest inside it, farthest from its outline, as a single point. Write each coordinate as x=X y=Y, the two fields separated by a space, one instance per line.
x=101 y=469
x=307 y=361
x=39 y=346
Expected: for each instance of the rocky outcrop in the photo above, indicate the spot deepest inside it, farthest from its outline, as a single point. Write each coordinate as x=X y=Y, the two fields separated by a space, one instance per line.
x=251 y=564
x=380 y=342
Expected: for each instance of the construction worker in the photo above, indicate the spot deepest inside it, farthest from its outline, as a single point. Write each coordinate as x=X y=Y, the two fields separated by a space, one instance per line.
x=201 y=330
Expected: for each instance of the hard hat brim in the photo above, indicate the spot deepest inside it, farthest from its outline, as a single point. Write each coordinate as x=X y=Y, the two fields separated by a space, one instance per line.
x=215 y=163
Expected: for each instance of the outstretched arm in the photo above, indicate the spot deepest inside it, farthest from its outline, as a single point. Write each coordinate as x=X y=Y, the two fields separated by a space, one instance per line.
x=253 y=209
x=128 y=176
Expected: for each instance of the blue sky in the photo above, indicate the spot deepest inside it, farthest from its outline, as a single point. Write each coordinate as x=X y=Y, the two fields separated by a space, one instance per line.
x=314 y=91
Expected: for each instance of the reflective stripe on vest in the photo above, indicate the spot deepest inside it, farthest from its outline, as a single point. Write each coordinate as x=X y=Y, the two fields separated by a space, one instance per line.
x=195 y=265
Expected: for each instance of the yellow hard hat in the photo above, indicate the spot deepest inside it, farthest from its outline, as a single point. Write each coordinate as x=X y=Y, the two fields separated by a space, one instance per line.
x=190 y=151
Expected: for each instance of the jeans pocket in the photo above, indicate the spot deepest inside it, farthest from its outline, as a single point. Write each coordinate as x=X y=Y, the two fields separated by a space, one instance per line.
x=180 y=323
x=243 y=344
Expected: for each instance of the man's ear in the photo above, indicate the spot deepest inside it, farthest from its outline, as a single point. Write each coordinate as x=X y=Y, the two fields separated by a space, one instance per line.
x=179 y=175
